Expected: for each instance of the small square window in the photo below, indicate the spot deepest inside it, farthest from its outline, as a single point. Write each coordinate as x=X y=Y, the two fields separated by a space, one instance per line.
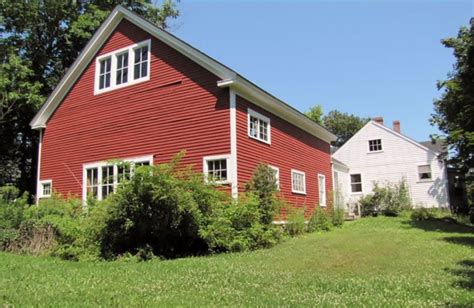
x=375 y=145
x=424 y=172
x=356 y=183
x=216 y=170
x=46 y=189
x=298 y=182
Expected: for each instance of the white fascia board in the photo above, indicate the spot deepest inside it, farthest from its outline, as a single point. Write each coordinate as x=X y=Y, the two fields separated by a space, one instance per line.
x=266 y=101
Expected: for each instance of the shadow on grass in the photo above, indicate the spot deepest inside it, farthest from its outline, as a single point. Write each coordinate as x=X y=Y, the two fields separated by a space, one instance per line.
x=448 y=225
x=461 y=240
x=465 y=273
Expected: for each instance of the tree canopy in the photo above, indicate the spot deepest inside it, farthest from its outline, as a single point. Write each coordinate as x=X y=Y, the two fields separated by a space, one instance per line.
x=454 y=110
x=39 y=41
x=341 y=124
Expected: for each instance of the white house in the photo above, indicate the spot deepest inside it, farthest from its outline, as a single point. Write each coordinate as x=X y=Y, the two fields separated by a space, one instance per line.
x=379 y=154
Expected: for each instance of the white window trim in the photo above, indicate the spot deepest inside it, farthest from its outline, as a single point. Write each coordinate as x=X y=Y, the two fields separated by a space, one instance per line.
x=418 y=174
x=40 y=191
x=253 y=113
x=361 y=184
x=373 y=152
x=302 y=192
x=277 y=176
x=104 y=163
x=322 y=204
x=217 y=157
x=113 y=69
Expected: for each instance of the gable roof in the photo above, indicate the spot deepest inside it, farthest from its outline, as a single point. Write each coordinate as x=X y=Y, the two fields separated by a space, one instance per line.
x=392 y=132
x=438 y=146
x=229 y=77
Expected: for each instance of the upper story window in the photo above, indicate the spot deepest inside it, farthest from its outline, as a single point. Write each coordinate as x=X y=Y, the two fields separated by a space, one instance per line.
x=424 y=172
x=216 y=169
x=140 y=69
x=104 y=73
x=123 y=67
x=298 y=182
x=375 y=145
x=101 y=179
x=259 y=126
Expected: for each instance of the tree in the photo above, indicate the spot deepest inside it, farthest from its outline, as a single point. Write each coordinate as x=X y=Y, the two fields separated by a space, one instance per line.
x=39 y=41
x=343 y=125
x=454 y=111
x=315 y=113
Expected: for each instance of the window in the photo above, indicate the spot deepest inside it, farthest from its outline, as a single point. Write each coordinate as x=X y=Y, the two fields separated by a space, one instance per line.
x=276 y=171
x=107 y=181
x=322 y=189
x=123 y=67
x=46 y=188
x=298 y=182
x=258 y=126
x=424 y=172
x=356 y=183
x=375 y=145
x=217 y=170
x=101 y=179
x=104 y=74
x=140 y=69
x=92 y=182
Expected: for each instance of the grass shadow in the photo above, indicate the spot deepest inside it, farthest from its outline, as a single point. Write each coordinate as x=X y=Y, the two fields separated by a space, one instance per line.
x=447 y=225
x=460 y=240
x=465 y=272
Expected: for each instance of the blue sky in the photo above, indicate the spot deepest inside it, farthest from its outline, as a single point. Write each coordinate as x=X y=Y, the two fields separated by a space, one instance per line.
x=370 y=58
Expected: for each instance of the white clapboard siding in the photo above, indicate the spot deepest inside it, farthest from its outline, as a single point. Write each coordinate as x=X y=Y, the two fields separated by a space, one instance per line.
x=399 y=158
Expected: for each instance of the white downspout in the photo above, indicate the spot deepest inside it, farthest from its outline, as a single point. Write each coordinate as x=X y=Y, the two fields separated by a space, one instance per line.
x=38 y=171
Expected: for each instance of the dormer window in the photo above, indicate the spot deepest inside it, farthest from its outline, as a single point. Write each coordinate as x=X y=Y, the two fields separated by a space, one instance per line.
x=123 y=67
x=375 y=145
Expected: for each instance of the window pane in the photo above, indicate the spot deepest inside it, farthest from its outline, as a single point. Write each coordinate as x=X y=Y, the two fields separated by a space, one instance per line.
x=136 y=71
x=355 y=178
x=144 y=53
x=144 y=69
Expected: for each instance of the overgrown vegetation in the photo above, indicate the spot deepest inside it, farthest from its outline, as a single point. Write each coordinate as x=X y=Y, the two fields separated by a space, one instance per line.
x=165 y=210
x=390 y=200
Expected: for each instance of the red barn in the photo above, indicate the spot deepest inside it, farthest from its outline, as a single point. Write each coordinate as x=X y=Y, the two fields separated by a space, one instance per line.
x=137 y=93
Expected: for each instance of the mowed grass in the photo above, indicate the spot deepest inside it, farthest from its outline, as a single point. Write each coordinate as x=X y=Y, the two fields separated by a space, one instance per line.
x=372 y=262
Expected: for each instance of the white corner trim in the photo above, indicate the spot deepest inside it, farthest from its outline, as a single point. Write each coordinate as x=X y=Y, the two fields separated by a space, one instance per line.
x=205 y=170
x=104 y=163
x=38 y=171
x=302 y=192
x=41 y=185
x=113 y=70
x=233 y=144
x=255 y=114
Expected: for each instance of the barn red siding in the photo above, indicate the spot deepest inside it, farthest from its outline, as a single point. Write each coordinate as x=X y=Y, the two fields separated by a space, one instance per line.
x=290 y=148
x=179 y=108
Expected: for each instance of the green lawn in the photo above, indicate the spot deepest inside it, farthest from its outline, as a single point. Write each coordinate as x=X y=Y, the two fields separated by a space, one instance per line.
x=374 y=261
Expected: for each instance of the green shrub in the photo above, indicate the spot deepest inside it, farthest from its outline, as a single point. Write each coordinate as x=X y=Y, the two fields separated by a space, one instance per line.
x=319 y=221
x=263 y=185
x=162 y=207
x=338 y=217
x=390 y=200
x=421 y=214
x=238 y=227
x=295 y=222
x=12 y=210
